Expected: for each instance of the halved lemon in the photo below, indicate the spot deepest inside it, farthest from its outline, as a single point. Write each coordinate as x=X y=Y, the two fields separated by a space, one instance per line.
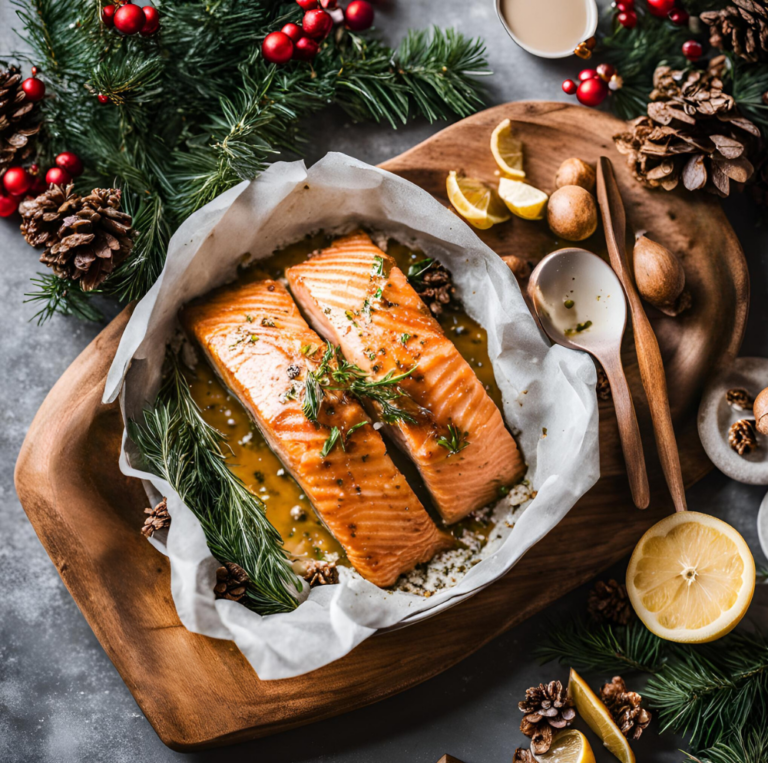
x=507 y=150
x=598 y=718
x=568 y=746
x=691 y=578
x=522 y=199
x=476 y=202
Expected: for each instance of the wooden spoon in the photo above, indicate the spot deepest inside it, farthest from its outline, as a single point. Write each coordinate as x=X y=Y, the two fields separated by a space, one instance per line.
x=646 y=345
x=580 y=304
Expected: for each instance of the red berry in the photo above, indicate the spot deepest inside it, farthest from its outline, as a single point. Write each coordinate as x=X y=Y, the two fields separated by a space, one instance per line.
x=34 y=89
x=306 y=49
x=625 y=5
x=628 y=20
x=317 y=24
x=661 y=8
x=277 y=48
x=8 y=205
x=70 y=163
x=102 y=98
x=38 y=187
x=151 y=20
x=307 y=5
x=328 y=5
x=294 y=31
x=569 y=86
x=605 y=71
x=57 y=176
x=129 y=19
x=692 y=50
x=17 y=181
x=35 y=71
x=587 y=74
x=679 y=16
x=359 y=15
x=108 y=14
x=592 y=92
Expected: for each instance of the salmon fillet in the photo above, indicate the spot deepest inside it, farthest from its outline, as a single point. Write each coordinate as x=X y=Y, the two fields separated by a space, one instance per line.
x=357 y=297
x=261 y=346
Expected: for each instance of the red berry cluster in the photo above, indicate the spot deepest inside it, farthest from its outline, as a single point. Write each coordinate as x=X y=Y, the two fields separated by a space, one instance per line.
x=627 y=17
x=593 y=85
x=131 y=19
x=302 y=43
x=18 y=182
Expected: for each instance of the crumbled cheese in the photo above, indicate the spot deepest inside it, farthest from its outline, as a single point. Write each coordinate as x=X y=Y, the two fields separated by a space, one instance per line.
x=245 y=440
x=297 y=513
x=280 y=472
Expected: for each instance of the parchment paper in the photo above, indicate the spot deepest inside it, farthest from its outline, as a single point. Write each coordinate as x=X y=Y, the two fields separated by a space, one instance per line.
x=543 y=386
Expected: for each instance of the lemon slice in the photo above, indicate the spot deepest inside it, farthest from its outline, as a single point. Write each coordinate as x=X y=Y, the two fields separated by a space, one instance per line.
x=598 y=718
x=568 y=746
x=522 y=199
x=507 y=150
x=475 y=201
x=691 y=578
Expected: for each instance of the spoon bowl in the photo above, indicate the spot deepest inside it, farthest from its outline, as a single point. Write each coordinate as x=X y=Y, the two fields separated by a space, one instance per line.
x=580 y=304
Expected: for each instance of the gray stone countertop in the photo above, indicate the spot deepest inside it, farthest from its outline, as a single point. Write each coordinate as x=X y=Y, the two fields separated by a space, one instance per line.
x=62 y=701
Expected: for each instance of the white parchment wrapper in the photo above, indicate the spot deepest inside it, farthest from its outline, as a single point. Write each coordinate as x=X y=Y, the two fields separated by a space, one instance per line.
x=543 y=386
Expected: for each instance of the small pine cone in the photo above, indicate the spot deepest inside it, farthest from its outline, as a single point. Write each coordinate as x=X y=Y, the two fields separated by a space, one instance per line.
x=609 y=603
x=625 y=708
x=85 y=238
x=742 y=436
x=739 y=399
x=321 y=573
x=741 y=27
x=158 y=519
x=18 y=120
x=231 y=581
x=523 y=756
x=546 y=707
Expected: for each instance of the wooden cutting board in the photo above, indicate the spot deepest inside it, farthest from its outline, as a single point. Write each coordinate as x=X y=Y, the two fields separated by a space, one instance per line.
x=200 y=692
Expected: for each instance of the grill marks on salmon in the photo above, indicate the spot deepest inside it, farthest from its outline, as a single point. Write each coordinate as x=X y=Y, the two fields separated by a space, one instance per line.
x=261 y=346
x=357 y=297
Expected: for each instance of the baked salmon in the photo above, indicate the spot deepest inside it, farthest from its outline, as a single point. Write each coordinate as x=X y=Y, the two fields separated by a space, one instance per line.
x=257 y=341
x=357 y=297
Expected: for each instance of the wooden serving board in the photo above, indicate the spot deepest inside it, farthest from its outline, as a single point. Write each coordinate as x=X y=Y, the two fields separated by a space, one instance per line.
x=200 y=692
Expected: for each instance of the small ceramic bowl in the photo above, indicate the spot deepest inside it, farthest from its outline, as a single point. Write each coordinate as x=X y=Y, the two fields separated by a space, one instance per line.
x=589 y=30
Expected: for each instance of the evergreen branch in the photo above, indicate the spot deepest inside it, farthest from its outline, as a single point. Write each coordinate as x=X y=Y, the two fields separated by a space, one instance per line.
x=178 y=445
x=749 y=746
x=606 y=648
x=750 y=83
x=58 y=295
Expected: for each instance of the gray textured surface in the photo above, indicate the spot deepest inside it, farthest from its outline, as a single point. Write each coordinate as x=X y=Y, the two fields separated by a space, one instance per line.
x=62 y=701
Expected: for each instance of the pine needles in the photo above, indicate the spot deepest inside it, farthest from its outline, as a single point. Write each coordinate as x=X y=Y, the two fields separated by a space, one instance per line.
x=195 y=109
x=178 y=445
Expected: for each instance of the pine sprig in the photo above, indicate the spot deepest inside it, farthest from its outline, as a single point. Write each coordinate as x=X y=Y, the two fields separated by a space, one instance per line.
x=178 y=445
x=58 y=295
x=750 y=746
x=750 y=83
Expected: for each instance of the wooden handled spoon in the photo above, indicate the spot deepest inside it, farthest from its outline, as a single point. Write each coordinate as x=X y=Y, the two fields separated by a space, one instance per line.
x=646 y=345
x=580 y=304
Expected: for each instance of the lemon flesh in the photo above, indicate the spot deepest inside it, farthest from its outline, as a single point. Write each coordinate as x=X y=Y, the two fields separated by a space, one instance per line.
x=598 y=718
x=507 y=150
x=691 y=578
x=476 y=202
x=568 y=746
x=522 y=199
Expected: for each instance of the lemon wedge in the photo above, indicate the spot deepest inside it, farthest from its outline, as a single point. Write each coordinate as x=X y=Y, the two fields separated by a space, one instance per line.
x=598 y=718
x=507 y=150
x=476 y=202
x=568 y=746
x=522 y=199
x=691 y=578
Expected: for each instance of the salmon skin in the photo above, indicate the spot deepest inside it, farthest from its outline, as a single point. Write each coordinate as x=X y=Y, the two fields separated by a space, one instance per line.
x=258 y=342
x=357 y=297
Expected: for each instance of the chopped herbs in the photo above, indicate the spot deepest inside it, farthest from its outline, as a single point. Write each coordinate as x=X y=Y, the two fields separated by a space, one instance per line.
x=455 y=442
x=253 y=339
x=377 y=269
x=404 y=338
x=569 y=303
x=336 y=437
x=579 y=328
x=417 y=270
x=377 y=294
x=249 y=318
x=309 y=350
x=267 y=322
x=503 y=491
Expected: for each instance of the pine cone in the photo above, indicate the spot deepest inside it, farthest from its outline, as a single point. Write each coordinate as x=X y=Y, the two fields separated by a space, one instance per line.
x=231 y=580
x=739 y=399
x=741 y=27
x=321 y=573
x=609 y=603
x=625 y=708
x=523 y=756
x=158 y=519
x=85 y=238
x=742 y=436
x=546 y=707
x=693 y=132
x=18 y=120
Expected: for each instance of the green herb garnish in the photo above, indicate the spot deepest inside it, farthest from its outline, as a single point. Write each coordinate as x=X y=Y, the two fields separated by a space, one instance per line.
x=377 y=269
x=455 y=442
x=417 y=270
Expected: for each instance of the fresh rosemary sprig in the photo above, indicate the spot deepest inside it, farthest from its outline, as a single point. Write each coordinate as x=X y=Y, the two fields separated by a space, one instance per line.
x=336 y=436
x=456 y=440
x=417 y=270
x=178 y=445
